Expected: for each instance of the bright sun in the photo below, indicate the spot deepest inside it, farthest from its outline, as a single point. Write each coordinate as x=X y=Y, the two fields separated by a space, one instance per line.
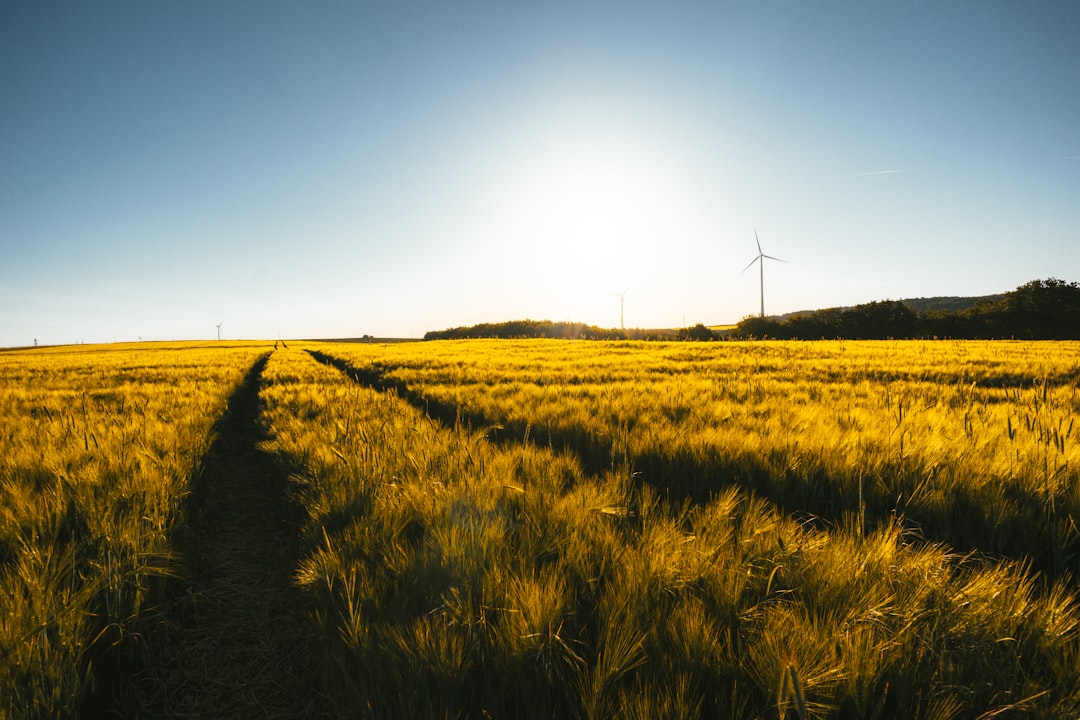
x=589 y=213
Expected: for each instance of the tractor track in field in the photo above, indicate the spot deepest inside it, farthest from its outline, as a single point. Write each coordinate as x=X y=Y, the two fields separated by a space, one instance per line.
x=595 y=455
x=235 y=640
x=687 y=478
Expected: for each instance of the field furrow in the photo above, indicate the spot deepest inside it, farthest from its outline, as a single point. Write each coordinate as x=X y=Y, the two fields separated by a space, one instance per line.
x=971 y=444
x=456 y=577
x=541 y=529
x=236 y=640
x=594 y=454
x=101 y=450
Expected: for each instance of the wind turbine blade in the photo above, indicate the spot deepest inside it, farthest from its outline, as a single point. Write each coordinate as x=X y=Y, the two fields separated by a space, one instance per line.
x=757 y=241
x=773 y=258
x=751 y=263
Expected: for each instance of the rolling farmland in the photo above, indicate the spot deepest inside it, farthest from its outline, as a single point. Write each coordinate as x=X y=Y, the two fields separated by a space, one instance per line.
x=543 y=529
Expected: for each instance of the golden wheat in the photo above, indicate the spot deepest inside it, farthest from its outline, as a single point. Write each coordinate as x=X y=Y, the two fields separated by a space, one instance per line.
x=100 y=448
x=457 y=576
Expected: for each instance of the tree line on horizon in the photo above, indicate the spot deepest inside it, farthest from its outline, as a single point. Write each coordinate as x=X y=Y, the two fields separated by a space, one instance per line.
x=522 y=329
x=1039 y=310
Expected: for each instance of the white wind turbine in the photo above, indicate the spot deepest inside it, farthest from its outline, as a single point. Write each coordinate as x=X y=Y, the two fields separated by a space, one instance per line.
x=622 y=298
x=219 y=330
x=760 y=259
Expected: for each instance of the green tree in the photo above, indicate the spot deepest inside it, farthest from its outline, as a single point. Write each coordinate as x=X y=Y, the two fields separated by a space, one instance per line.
x=697 y=332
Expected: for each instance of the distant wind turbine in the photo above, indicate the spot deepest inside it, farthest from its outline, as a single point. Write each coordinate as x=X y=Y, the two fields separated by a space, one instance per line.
x=219 y=330
x=622 y=298
x=760 y=259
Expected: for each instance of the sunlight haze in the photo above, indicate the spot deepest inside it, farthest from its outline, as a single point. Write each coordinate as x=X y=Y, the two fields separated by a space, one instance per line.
x=335 y=169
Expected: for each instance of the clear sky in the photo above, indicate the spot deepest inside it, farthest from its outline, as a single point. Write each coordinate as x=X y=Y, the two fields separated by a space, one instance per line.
x=333 y=169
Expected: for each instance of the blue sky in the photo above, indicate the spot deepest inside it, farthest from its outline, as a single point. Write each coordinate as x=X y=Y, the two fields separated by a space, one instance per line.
x=332 y=169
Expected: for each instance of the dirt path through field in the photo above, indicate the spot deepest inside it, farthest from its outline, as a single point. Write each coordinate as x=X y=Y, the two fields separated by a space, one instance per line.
x=594 y=455
x=235 y=643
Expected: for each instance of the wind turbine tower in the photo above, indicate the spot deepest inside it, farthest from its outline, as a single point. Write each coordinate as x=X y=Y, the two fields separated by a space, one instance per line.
x=760 y=259
x=622 y=298
x=219 y=330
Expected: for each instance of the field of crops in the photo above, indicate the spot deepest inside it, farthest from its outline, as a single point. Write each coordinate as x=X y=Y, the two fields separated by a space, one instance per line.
x=101 y=453
x=574 y=529
x=971 y=443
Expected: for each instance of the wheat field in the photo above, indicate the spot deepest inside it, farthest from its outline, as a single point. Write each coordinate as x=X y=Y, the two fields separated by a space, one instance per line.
x=555 y=529
x=101 y=452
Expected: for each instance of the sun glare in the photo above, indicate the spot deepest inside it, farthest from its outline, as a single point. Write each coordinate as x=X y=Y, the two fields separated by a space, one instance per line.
x=589 y=216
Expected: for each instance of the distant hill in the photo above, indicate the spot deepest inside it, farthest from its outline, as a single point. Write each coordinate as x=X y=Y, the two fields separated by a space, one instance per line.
x=1039 y=310
x=950 y=304
x=946 y=303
